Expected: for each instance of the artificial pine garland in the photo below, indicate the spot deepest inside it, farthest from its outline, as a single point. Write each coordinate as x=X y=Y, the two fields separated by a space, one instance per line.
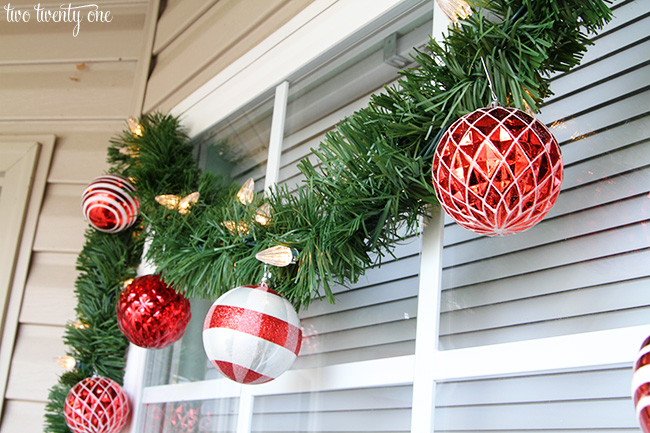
x=368 y=190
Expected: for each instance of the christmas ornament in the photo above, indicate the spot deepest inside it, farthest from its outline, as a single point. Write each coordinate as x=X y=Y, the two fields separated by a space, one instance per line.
x=497 y=171
x=151 y=314
x=251 y=334
x=96 y=405
x=108 y=204
x=641 y=386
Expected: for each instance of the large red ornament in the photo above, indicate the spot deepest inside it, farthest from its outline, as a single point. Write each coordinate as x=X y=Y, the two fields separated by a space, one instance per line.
x=251 y=334
x=497 y=171
x=641 y=386
x=96 y=405
x=108 y=204
x=151 y=314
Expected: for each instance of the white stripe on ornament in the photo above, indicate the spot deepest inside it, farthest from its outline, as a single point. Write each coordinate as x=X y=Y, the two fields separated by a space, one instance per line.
x=262 y=302
x=642 y=404
x=249 y=351
x=640 y=376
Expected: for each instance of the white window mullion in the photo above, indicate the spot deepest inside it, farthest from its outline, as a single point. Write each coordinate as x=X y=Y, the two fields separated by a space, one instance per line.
x=428 y=321
x=428 y=317
x=274 y=155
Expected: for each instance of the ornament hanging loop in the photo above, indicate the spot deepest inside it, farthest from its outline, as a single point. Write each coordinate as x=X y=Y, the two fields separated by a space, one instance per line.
x=495 y=100
x=266 y=276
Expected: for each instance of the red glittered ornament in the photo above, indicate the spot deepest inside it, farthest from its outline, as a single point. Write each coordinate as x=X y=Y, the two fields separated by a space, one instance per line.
x=251 y=334
x=497 y=171
x=108 y=205
x=96 y=405
x=641 y=386
x=151 y=314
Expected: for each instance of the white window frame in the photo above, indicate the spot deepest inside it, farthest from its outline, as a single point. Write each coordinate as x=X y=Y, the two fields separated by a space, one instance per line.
x=281 y=56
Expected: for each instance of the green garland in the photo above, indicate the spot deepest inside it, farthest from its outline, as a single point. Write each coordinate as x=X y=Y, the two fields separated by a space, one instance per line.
x=372 y=180
x=368 y=190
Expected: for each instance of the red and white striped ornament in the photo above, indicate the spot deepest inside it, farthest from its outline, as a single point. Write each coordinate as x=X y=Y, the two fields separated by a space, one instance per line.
x=251 y=334
x=108 y=204
x=96 y=405
x=641 y=386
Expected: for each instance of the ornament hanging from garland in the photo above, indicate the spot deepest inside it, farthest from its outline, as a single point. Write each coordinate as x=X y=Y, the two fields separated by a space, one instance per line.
x=497 y=171
x=641 y=386
x=108 y=204
x=151 y=314
x=251 y=334
x=96 y=405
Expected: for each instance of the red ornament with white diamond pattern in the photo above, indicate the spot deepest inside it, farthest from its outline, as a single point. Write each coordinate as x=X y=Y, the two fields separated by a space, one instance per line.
x=151 y=314
x=96 y=405
x=251 y=334
x=497 y=171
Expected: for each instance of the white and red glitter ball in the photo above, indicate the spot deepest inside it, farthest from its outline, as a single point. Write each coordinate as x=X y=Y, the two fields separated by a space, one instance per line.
x=96 y=405
x=251 y=334
x=641 y=386
x=108 y=204
x=497 y=171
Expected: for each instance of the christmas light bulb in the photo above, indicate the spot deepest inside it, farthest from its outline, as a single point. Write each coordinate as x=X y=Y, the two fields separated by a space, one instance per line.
x=455 y=9
x=186 y=202
x=170 y=201
x=127 y=283
x=67 y=362
x=134 y=127
x=78 y=324
x=279 y=256
x=263 y=214
x=246 y=192
x=236 y=228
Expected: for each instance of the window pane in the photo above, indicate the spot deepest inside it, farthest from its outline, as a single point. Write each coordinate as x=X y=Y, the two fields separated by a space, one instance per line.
x=584 y=268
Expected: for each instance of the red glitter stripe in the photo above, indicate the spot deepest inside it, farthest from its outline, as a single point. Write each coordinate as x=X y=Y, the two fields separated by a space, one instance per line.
x=235 y=372
x=257 y=324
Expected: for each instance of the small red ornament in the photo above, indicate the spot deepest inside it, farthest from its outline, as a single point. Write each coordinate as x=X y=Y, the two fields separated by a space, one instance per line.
x=641 y=386
x=251 y=334
x=108 y=204
x=151 y=314
x=497 y=171
x=96 y=405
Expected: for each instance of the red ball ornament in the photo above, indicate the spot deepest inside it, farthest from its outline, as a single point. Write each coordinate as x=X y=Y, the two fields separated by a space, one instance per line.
x=96 y=405
x=251 y=334
x=497 y=171
x=641 y=386
x=151 y=314
x=108 y=204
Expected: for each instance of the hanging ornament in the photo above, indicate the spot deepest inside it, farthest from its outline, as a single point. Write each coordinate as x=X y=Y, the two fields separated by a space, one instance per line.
x=151 y=314
x=96 y=405
x=497 y=171
x=455 y=9
x=251 y=334
x=108 y=204
x=641 y=386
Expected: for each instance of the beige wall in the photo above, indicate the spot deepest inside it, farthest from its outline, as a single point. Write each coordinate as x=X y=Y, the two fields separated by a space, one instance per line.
x=81 y=89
